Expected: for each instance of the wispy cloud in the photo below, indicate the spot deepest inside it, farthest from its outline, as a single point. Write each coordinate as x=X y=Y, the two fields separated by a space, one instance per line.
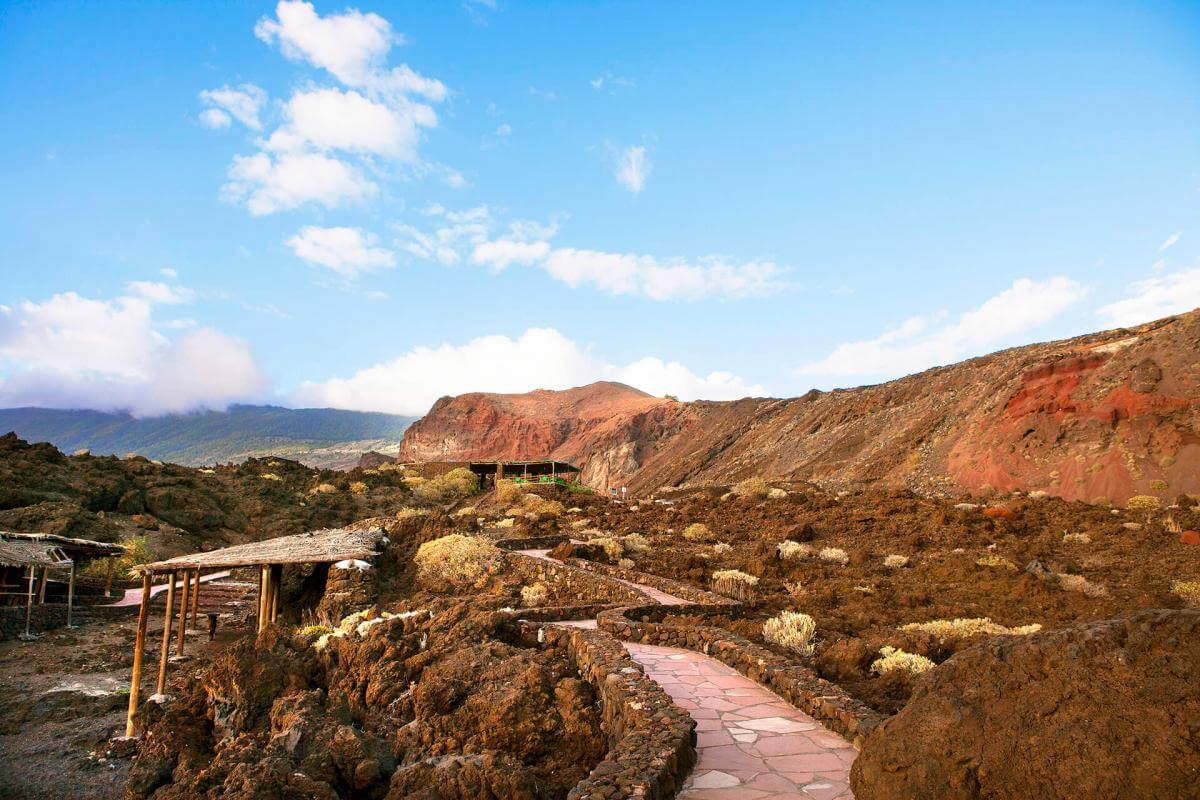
x=347 y=251
x=1155 y=297
x=633 y=168
x=1170 y=242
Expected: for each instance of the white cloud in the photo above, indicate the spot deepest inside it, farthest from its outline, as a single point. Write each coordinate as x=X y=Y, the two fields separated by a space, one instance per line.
x=74 y=352
x=923 y=342
x=472 y=235
x=1171 y=241
x=243 y=103
x=158 y=292
x=500 y=254
x=611 y=81
x=214 y=118
x=346 y=251
x=169 y=273
x=268 y=184
x=1156 y=297
x=539 y=358
x=633 y=167
x=331 y=137
x=331 y=119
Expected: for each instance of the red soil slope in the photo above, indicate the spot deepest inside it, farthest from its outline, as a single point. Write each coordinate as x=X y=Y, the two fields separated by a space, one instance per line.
x=1108 y=415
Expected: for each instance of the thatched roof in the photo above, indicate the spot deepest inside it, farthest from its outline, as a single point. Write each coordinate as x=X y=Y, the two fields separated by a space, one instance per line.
x=79 y=548
x=25 y=553
x=316 y=547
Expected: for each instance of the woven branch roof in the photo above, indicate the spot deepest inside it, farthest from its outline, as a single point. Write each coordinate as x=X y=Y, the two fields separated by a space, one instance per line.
x=25 y=553
x=315 y=547
x=82 y=547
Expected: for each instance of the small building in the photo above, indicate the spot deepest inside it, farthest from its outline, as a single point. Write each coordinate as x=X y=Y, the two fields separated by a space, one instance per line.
x=29 y=560
x=540 y=472
x=268 y=557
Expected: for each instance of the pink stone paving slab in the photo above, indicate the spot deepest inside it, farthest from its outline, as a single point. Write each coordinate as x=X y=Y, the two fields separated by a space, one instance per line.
x=133 y=597
x=751 y=744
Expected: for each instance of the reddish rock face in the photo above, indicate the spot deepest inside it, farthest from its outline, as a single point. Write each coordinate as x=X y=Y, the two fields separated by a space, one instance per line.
x=1108 y=415
x=1189 y=537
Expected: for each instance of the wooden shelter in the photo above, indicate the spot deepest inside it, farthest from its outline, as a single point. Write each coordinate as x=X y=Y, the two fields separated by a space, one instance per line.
x=316 y=547
x=26 y=557
x=543 y=471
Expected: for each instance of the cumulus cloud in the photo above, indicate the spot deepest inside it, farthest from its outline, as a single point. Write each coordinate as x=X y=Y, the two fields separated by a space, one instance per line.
x=1156 y=297
x=267 y=183
x=243 y=103
x=923 y=342
x=159 y=292
x=346 y=251
x=633 y=167
x=539 y=358
x=477 y=236
x=329 y=137
x=74 y=352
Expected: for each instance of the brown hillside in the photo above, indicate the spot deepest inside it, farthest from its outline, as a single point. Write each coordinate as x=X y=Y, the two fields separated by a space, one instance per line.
x=1110 y=415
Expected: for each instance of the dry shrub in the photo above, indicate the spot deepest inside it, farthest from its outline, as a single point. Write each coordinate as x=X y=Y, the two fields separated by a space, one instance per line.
x=893 y=658
x=996 y=562
x=507 y=491
x=734 y=583
x=793 y=551
x=270 y=476
x=407 y=512
x=1077 y=538
x=895 y=561
x=454 y=485
x=635 y=543
x=535 y=595
x=1158 y=485
x=1142 y=502
x=358 y=487
x=456 y=560
x=697 y=532
x=535 y=503
x=721 y=548
x=390 y=466
x=1188 y=590
x=834 y=555
x=1078 y=583
x=580 y=524
x=507 y=522
x=792 y=630
x=324 y=488
x=751 y=488
x=626 y=563
x=777 y=494
x=612 y=547
x=963 y=628
x=465 y=511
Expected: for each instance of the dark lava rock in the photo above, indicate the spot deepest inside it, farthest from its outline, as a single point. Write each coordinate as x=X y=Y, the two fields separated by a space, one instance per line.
x=1105 y=709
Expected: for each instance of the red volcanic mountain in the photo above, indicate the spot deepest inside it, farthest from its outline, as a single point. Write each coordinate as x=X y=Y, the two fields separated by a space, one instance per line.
x=1107 y=415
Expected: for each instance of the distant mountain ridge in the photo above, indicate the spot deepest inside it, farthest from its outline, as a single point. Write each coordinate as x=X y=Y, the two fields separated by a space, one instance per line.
x=1097 y=417
x=319 y=437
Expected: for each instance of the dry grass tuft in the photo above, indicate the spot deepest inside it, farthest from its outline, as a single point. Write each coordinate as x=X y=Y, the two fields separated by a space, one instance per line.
x=834 y=555
x=752 y=488
x=721 y=549
x=535 y=595
x=635 y=543
x=777 y=494
x=1188 y=590
x=1142 y=502
x=894 y=658
x=1078 y=583
x=457 y=560
x=407 y=512
x=697 y=532
x=996 y=562
x=324 y=488
x=793 y=551
x=734 y=583
x=612 y=546
x=895 y=561
x=792 y=630
x=454 y=485
x=1076 y=538
x=358 y=487
x=963 y=628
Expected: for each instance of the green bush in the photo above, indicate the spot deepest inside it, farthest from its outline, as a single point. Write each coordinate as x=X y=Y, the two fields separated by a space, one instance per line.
x=454 y=485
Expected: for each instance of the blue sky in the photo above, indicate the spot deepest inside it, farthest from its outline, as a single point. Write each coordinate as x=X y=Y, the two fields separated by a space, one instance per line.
x=370 y=206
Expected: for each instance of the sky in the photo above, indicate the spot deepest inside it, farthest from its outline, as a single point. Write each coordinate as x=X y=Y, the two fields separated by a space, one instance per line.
x=370 y=206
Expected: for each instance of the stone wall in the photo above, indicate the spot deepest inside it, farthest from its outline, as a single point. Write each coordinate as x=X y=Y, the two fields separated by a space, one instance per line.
x=794 y=682
x=652 y=742
x=569 y=583
x=684 y=591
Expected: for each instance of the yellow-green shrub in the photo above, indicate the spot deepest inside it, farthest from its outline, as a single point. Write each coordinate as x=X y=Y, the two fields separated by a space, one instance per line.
x=457 y=560
x=697 y=532
x=963 y=628
x=454 y=485
x=1142 y=502
x=792 y=630
x=893 y=658
x=751 y=488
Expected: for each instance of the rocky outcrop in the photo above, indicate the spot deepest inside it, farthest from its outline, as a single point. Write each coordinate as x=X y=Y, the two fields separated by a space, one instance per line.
x=1100 y=710
x=1107 y=415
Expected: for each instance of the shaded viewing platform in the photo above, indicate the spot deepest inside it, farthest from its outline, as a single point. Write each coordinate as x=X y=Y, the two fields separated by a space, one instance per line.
x=40 y=569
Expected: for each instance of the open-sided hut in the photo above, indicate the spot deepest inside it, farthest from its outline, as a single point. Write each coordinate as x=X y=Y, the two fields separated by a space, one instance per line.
x=27 y=561
x=270 y=556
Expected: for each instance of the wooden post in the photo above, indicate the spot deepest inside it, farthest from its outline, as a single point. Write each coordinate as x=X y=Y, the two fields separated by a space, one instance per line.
x=166 y=642
x=108 y=576
x=183 y=610
x=195 y=598
x=263 y=581
x=42 y=591
x=29 y=601
x=135 y=682
x=276 y=590
x=70 y=593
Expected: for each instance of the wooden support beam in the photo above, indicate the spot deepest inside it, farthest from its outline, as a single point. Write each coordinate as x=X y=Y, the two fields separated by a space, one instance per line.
x=276 y=590
x=70 y=594
x=263 y=582
x=196 y=597
x=135 y=681
x=183 y=609
x=29 y=601
x=108 y=576
x=166 y=639
x=42 y=590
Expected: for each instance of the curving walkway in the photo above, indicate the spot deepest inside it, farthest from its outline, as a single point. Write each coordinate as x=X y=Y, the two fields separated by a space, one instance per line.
x=133 y=597
x=751 y=744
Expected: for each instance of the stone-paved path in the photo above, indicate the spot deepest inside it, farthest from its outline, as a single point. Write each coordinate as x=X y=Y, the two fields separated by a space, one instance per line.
x=133 y=597
x=751 y=744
